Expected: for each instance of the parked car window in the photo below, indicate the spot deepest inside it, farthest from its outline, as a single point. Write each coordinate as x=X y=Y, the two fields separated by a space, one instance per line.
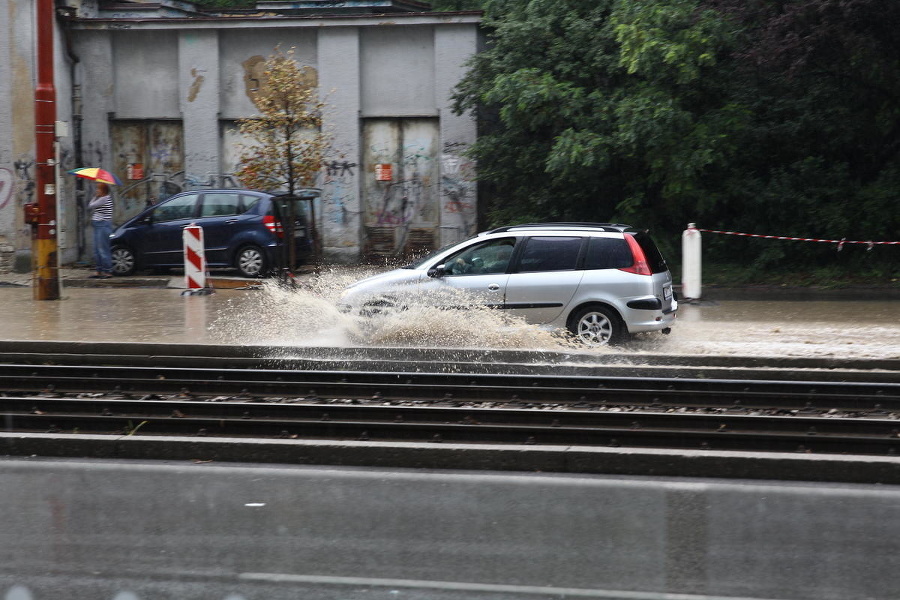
x=250 y=202
x=489 y=257
x=220 y=205
x=550 y=254
x=181 y=207
x=608 y=253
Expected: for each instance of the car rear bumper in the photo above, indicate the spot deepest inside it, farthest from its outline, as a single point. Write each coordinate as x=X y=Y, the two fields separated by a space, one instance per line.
x=640 y=321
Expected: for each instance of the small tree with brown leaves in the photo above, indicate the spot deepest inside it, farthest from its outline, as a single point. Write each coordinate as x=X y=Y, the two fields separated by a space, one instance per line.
x=285 y=143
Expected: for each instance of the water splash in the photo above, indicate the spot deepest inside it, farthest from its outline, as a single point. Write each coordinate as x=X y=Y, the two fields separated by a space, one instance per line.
x=309 y=315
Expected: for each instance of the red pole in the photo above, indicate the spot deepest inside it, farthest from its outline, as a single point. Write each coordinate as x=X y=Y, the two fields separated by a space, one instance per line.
x=44 y=233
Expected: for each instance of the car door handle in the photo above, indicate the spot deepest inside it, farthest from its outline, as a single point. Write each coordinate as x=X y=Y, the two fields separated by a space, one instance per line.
x=494 y=287
x=230 y=221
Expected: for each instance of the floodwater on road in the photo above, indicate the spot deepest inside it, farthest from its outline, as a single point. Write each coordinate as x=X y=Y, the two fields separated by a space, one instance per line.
x=309 y=317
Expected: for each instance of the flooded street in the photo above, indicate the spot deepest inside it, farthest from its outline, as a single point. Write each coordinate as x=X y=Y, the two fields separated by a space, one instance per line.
x=309 y=317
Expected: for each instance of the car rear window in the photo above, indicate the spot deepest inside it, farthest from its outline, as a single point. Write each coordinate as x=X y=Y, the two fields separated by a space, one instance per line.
x=608 y=253
x=651 y=252
x=550 y=254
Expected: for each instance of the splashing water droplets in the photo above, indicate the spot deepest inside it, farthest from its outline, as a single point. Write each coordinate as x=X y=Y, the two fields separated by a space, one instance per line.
x=309 y=315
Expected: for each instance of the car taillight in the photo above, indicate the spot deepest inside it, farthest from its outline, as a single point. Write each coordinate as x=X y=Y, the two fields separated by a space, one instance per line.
x=640 y=266
x=273 y=225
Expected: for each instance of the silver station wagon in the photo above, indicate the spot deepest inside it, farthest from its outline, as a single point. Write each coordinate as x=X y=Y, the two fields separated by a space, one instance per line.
x=600 y=281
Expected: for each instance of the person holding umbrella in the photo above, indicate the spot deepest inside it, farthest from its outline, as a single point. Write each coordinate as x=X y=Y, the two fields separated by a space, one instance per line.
x=101 y=220
x=101 y=217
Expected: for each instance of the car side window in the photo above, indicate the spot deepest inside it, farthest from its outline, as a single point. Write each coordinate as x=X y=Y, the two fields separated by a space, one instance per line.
x=176 y=208
x=608 y=253
x=480 y=259
x=248 y=202
x=550 y=254
x=220 y=204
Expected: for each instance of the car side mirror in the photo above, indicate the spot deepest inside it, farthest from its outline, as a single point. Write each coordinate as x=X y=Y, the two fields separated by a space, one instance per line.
x=437 y=272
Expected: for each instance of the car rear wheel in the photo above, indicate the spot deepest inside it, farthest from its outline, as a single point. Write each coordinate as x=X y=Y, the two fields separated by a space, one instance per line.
x=123 y=261
x=250 y=261
x=597 y=326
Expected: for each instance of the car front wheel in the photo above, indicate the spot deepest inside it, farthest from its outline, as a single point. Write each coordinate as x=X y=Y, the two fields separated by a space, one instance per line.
x=250 y=261
x=597 y=326
x=123 y=261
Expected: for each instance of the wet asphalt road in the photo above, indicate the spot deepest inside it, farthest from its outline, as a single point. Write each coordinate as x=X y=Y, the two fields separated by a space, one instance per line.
x=759 y=323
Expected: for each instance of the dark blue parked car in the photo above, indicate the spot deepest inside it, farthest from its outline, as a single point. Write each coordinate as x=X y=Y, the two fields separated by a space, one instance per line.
x=241 y=229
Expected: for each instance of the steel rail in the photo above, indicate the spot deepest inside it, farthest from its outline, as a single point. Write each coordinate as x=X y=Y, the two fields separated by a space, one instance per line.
x=473 y=397
x=754 y=432
x=456 y=386
x=449 y=359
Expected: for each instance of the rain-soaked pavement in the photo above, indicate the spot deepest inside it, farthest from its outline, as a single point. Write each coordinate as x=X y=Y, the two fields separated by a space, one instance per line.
x=727 y=323
x=334 y=533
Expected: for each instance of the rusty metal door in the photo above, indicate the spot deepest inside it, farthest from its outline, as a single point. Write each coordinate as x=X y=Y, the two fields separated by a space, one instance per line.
x=400 y=185
x=149 y=158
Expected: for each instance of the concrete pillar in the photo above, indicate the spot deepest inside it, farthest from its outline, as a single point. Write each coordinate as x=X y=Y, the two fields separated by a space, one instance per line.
x=691 y=265
x=95 y=74
x=198 y=85
x=17 y=143
x=340 y=225
x=453 y=45
x=10 y=219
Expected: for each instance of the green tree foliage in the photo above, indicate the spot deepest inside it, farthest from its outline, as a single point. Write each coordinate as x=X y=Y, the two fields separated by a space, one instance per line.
x=766 y=116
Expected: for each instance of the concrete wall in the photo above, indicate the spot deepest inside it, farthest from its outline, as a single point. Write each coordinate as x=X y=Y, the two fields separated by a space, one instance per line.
x=142 y=530
x=340 y=81
x=17 y=135
x=199 y=84
x=16 y=121
x=397 y=71
x=237 y=46
x=146 y=82
x=459 y=199
x=129 y=74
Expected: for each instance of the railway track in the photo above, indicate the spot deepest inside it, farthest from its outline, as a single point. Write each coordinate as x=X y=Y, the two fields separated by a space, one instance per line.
x=840 y=407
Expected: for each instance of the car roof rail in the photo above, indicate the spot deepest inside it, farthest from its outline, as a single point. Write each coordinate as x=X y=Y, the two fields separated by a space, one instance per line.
x=617 y=227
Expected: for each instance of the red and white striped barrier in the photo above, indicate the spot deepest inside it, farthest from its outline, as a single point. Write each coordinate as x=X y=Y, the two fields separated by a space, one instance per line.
x=840 y=242
x=194 y=258
x=691 y=284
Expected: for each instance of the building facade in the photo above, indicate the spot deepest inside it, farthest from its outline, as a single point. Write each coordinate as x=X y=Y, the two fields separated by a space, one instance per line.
x=152 y=92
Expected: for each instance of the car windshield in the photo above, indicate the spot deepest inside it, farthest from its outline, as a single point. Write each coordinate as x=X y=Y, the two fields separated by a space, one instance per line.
x=421 y=261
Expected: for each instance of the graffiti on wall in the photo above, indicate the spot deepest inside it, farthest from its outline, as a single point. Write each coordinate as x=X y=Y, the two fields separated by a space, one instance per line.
x=23 y=173
x=407 y=197
x=458 y=200
x=16 y=189
x=155 y=187
x=7 y=185
x=338 y=192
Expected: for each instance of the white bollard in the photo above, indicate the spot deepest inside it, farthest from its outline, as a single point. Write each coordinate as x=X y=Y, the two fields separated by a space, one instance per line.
x=194 y=258
x=691 y=263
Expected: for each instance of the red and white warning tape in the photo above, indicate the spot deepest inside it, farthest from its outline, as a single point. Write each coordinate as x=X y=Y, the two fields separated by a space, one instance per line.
x=840 y=242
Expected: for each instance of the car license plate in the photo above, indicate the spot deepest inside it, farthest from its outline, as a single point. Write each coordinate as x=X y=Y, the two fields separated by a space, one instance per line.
x=667 y=292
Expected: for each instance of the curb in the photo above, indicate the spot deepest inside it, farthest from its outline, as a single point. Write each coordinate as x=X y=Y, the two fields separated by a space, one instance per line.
x=548 y=459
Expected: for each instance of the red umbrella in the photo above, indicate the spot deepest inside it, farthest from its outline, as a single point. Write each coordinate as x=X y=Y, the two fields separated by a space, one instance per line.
x=96 y=174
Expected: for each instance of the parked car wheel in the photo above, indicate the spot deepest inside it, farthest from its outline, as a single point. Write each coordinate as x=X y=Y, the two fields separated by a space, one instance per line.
x=250 y=261
x=597 y=326
x=123 y=261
